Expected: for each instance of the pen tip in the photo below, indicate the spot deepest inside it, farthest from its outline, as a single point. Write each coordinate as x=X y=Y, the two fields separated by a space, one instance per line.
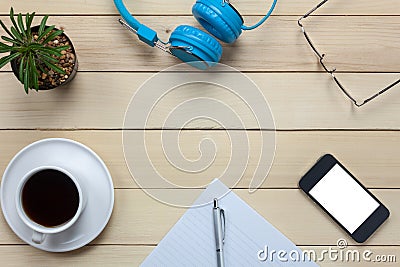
x=215 y=203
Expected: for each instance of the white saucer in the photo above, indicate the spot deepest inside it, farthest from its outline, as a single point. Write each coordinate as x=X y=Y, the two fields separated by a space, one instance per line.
x=86 y=167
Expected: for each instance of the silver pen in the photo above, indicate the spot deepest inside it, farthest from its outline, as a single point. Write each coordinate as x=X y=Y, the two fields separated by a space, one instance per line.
x=219 y=229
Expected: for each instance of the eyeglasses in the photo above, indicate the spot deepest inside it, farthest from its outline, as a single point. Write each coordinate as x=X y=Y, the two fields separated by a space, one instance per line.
x=332 y=71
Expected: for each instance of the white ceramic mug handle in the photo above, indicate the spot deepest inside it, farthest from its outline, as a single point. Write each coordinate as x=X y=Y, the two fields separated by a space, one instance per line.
x=38 y=238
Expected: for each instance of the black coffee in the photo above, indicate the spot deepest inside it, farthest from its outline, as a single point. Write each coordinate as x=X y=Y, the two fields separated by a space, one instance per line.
x=50 y=198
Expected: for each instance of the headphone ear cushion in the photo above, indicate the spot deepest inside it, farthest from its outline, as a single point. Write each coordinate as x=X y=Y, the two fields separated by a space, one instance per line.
x=222 y=20
x=193 y=45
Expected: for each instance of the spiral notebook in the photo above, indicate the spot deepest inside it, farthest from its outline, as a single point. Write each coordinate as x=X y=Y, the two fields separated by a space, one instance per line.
x=191 y=242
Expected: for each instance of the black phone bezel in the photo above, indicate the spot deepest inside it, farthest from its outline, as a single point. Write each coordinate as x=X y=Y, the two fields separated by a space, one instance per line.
x=317 y=172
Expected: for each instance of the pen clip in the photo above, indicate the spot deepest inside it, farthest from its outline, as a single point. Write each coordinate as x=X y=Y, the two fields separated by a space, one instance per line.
x=223 y=225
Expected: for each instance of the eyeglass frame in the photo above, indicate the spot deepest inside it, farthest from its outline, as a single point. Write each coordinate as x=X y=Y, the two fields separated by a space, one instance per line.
x=332 y=71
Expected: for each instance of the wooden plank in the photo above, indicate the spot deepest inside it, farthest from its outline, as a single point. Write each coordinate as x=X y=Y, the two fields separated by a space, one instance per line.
x=362 y=44
x=375 y=162
x=136 y=218
x=297 y=101
x=134 y=255
x=182 y=7
x=87 y=256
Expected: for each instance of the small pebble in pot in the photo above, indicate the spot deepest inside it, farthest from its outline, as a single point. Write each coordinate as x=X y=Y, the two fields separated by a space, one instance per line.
x=48 y=78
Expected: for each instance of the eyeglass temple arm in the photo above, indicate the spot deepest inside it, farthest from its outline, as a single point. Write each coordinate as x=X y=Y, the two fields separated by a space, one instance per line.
x=321 y=56
x=311 y=11
x=331 y=72
x=380 y=92
x=299 y=22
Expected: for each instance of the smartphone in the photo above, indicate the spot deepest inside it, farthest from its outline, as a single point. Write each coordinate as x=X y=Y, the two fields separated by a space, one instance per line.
x=344 y=198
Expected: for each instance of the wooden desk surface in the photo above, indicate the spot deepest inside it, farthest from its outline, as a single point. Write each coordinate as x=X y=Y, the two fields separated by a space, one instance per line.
x=360 y=37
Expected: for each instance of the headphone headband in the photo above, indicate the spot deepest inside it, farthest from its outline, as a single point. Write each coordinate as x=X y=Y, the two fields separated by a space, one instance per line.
x=145 y=34
x=149 y=36
x=258 y=24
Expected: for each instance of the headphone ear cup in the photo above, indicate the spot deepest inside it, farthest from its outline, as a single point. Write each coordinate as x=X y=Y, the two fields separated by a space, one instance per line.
x=221 y=20
x=195 y=47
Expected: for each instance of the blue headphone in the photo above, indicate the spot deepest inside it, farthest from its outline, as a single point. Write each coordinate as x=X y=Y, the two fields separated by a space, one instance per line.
x=189 y=44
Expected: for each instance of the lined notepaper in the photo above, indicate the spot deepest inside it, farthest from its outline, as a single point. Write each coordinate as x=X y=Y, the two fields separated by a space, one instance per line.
x=191 y=242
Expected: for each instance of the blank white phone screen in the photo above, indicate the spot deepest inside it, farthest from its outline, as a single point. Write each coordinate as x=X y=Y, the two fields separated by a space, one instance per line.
x=344 y=198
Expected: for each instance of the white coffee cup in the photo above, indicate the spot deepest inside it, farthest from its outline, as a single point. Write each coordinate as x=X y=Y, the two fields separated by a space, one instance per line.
x=39 y=231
